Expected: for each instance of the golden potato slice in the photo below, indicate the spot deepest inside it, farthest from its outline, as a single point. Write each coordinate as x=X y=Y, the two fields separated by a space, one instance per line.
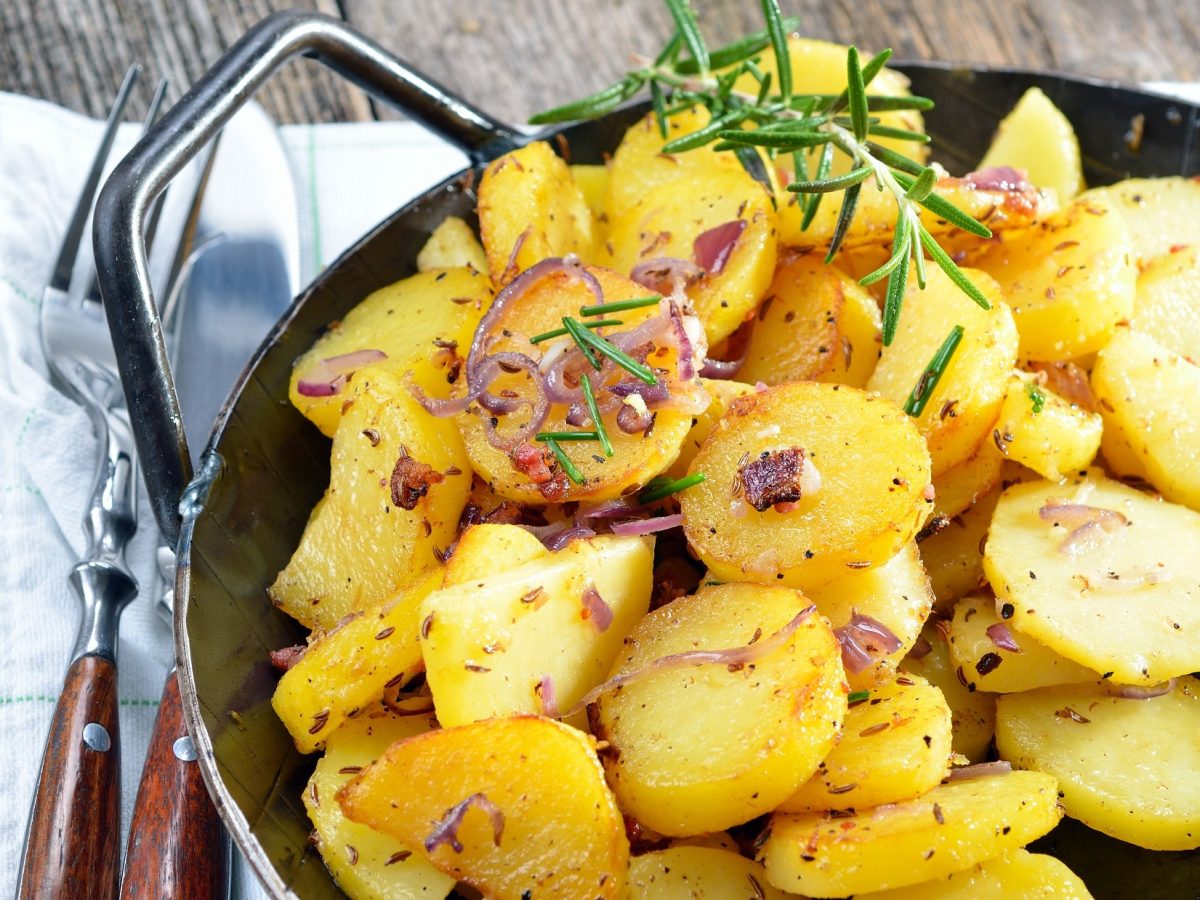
x=699 y=873
x=1149 y=399
x=484 y=550
x=960 y=486
x=1101 y=573
x=972 y=712
x=1044 y=431
x=1166 y=308
x=1069 y=280
x=639 y=165
x=1037 y=138
x=637 y=457
x=895 y=745
x=674 y=219
x=990 y=665
x=962 y=407
x=1125 y=767
x=815 y=324
x=872 y=498
x=699 y=747
x=344 y=670
x=365 y=863
x=949 y=829
x=722 y=393
x=534 y=638
x=1017 y=873
x=593 y=181
x=452 y=245
x=421 y=324
x=896 y=594
x=512 y=807
x=398 y=483
x=953 y=557
x=1162 y=212
x=530 y=208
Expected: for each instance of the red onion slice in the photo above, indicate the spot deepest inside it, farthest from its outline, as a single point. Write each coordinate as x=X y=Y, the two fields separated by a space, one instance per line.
x=560 y=539
x=864 y=642
x=1003 y=638
x=1140 y=692
x=664 y=274
x=611 y=509
x=724 y=369
x=920 y=649
x=733 y=657
x=647 y=526
x=445 y=830
x=328 y=376
x=599 y=613
x=980 y=770
x=998 y=178
x=548 y=697
x=286 y=657
x=712 y=249
x=683 y=343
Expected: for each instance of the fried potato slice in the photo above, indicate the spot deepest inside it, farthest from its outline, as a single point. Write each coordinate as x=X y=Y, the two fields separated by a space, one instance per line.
x=960 y=411
x=366 y=864
x=700 y=747
x=420 y=324
x=1037 y=138
x=699 y=873
x=1043 y=431
x=960 y=486
x=872 y=498
x=398 y=483
x=722 y=394
x=512 y=807
x=1167 y=308
x=951 y=828
x=1101 y=573
x=452 y=245
x=1125 y=767
x=895 y=746
x=1162 y=212
x=1017 y=873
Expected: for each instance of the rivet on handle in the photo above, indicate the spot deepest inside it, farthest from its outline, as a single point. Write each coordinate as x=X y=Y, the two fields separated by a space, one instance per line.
x=184 y=749
x=95 y=736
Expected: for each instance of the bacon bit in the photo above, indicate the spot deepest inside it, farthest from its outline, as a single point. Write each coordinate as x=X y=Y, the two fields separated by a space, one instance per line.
x=287 y=657
x=1067 y=713
x=774 y=477
x=998 y=178
x=411 y=480
x=445 y=830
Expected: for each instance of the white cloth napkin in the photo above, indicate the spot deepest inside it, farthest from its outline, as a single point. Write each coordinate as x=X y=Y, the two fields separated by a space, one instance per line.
x=347 y=178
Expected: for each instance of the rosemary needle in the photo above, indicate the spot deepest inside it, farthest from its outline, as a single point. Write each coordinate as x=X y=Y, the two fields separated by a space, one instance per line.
x=929 y=379
x=564 y=461
x=594 y=411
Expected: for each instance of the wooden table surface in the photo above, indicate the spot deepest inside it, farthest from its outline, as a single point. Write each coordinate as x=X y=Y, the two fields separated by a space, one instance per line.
x=514 y=57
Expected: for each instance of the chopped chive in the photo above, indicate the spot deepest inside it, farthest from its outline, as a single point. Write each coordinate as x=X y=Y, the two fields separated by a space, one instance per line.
x=929 y=379
x=858 y=697
x=589 y=342
x=559 y=332
x=713 y=583
x=567 y=466
x=566 y=436
x=660 y=487
x=1037 y=398
x=594 y=411
x=618 y=306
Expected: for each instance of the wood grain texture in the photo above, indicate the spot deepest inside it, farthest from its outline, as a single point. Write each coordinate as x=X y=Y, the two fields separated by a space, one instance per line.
x=74 y=847
x=515 y=57
x=177 y=846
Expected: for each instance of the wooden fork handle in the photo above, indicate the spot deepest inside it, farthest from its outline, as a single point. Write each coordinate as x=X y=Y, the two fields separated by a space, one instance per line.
x=74 y=842
x=177 y=847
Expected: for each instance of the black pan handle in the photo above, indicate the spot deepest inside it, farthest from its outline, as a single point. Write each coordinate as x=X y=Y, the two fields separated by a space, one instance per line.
x=161 y=154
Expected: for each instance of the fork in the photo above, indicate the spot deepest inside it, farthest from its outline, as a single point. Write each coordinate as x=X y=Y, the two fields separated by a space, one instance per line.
x=72 y=845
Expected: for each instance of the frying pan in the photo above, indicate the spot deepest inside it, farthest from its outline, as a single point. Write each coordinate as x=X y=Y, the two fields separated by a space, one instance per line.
x=265 y=465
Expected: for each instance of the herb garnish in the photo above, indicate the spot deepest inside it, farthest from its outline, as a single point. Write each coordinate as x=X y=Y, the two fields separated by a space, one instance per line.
x=660 y=487
x=923 y=389
x=590 y=343
x=563 y=460
x=594 y=411
x=618 y=306
x=559 y=332
x=687 y=73
x=548 y=436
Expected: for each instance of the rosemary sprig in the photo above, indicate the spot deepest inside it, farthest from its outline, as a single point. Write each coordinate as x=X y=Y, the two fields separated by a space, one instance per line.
x=618 y=306
x=777 y=118
x=591 y=344
x=563 y=460
x=660 y=487
x=589 y=398
x=547 y=436
x=923 y=389
x=559 y=332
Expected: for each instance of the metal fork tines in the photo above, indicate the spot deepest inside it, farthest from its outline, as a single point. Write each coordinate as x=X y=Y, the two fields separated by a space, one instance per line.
x=72 y=845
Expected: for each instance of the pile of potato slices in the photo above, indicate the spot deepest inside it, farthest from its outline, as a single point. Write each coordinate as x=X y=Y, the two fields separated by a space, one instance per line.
x=634 y=577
